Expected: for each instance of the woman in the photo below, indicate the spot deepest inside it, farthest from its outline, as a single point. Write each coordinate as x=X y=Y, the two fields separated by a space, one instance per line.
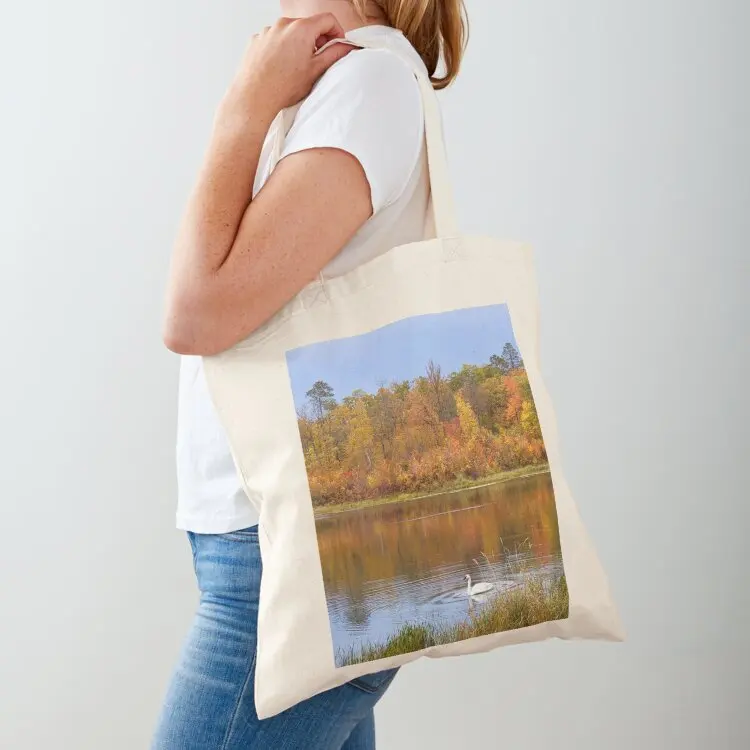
x=351 y=183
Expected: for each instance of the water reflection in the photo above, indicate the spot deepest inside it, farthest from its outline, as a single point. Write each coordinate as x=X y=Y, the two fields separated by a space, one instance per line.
x=390 y=565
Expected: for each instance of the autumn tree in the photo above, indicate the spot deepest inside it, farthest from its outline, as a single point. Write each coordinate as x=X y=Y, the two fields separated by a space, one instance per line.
x=361 y=436
x=385 y=410
x=514 y=401
x=529 y=418
x=419 y=435
x=321 y=450
x=422 y=420
x=467 y=419
x=470 y=380
x=497 y=400
x=438 y=390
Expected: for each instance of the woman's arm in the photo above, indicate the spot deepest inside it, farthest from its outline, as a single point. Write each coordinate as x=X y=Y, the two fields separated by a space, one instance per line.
x=237 y=262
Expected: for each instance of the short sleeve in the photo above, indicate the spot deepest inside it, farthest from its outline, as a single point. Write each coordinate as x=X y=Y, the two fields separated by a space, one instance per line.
x=367 y=104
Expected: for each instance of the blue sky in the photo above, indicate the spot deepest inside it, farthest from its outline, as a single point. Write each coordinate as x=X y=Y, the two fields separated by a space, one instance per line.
x=401 y=351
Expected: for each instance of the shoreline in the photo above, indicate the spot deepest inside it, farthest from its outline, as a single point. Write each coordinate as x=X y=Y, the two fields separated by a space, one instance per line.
x=527 y=604
x=325 y=511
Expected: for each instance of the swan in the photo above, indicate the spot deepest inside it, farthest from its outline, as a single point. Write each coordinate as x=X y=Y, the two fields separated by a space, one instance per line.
x=477 y=588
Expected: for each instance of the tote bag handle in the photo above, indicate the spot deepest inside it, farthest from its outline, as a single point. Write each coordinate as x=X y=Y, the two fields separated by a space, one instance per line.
x=443 y=206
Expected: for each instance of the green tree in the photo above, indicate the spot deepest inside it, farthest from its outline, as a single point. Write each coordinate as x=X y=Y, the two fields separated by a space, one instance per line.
x=499 y=363
x=402 y=389
x=468 y=375
x=511 y=356
x=321 y=398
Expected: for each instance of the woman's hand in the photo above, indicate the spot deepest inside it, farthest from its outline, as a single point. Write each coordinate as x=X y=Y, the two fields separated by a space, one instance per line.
x=280 y=65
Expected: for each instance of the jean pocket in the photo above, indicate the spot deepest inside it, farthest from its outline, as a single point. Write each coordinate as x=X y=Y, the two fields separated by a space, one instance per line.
x=242 y=535
x=374 y=683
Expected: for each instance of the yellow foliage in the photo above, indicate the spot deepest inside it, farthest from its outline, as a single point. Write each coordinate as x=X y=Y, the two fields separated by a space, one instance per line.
x=397 y=441
x=467 y=419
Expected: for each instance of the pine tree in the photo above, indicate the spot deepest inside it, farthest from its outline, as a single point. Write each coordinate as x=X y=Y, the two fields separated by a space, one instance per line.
x=511 y=356
x=321 y=398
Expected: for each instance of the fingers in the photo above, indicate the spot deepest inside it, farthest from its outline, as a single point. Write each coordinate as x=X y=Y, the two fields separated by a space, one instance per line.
x=324 y=25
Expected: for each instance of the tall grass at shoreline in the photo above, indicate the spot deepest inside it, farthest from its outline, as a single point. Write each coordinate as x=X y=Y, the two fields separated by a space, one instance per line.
x=535 y=601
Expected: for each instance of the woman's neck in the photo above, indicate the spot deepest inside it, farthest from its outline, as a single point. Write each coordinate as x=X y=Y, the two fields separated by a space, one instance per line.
x=343 y=10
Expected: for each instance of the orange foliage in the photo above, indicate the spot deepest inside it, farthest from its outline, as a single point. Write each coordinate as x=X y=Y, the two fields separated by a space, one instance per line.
x=420 y=436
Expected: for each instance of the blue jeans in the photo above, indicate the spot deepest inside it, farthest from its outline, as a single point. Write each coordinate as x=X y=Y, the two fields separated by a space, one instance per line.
x=209 y=703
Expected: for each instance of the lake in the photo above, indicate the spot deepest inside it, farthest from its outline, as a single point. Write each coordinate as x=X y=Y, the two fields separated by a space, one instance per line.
x=389 y=565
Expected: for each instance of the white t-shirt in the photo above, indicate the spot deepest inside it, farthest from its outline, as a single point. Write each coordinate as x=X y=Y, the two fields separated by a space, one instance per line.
x=369 y=105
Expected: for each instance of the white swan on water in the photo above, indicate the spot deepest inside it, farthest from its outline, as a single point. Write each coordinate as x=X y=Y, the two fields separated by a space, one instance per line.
x=477 y=588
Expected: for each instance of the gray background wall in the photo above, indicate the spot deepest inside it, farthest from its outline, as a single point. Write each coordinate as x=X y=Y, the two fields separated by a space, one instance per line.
x=611 y=135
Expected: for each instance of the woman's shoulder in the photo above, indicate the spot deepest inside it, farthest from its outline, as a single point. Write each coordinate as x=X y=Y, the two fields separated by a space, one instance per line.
x=369 y=105
x=374 y=78
x=371 y=62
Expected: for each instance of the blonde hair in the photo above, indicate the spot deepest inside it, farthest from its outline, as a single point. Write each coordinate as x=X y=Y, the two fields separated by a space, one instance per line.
x=437 y=29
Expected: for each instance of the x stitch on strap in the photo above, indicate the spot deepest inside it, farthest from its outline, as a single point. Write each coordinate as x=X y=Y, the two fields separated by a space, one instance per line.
x=451 y=249
x=313 y=295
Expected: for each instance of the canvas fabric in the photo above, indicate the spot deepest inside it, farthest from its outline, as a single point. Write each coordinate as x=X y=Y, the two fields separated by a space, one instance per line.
x=250 y=385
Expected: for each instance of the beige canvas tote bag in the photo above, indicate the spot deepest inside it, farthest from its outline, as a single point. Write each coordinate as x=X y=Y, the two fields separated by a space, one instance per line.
x=393 y=429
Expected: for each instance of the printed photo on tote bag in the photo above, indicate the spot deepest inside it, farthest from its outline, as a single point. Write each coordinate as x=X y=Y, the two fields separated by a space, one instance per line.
x=393 y=429
x=446 y=438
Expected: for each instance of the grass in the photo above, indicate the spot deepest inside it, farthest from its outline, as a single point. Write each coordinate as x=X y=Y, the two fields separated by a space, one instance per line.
x=531 y=603
x=460 y=483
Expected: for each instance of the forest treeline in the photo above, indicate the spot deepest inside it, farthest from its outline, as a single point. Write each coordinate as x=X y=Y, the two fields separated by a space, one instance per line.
x=422 y=434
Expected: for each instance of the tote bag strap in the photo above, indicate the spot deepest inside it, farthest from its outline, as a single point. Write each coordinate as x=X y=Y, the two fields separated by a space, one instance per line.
x=443 y=206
